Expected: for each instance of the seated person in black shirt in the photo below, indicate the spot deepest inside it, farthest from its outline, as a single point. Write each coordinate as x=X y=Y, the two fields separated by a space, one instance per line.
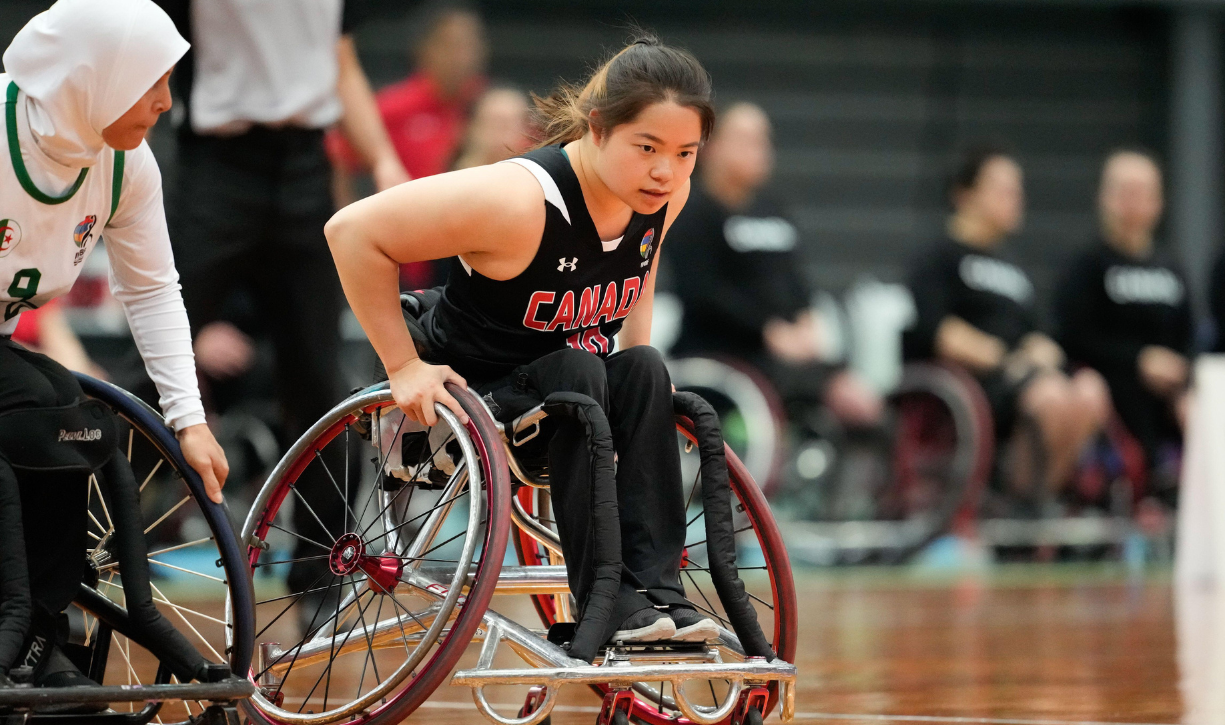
x=1123 y=306
x=975 y=308
x=736 y=269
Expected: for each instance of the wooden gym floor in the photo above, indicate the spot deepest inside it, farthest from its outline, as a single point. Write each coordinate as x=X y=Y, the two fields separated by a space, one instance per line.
x=1023 y=645
x=1017 y=645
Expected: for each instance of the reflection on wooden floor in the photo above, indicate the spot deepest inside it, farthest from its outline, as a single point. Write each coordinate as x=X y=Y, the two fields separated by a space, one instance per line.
x=1023 y=646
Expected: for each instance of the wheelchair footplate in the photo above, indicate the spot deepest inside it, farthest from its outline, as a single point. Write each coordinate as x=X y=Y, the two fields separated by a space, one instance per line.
x=24 y=704
x=623 y=668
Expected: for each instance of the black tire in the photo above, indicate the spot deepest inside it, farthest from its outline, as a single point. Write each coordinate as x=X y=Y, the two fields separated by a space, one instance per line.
x=214 y=560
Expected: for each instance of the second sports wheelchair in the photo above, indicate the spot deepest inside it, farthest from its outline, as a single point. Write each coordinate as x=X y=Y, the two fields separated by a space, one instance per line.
x=189 y=563
x=422 y=552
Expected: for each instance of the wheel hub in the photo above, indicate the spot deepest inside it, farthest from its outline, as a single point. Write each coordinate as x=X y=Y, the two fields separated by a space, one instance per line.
x=346 y=554
x=349 y=554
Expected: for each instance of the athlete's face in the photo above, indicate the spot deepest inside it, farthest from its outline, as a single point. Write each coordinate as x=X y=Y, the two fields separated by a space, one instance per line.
x=741 y=150
x=998 y=196
x=1131 y=201
x=644 y=161
x=127 y=133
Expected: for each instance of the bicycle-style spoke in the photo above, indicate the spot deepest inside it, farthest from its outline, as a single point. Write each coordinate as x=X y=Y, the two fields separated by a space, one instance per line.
x=694 y=488
x=190 y=626
x=93 y=483
x=327 y=670
x=300 y=537
x=348 y=634
x=188 y=571
x=344 y=501
x=369 y=645
x=152 y=473
x=348 y=446
x=298 y=647
x=296 y=598
x=711 y=610
x=381 y=459
x=261 y=564
x=737 y=531
x=419 y=516
x=166 y=515
x=436 y=547
x=759 y=599
x=416 y=472
x=424 y=627
x=294 y=487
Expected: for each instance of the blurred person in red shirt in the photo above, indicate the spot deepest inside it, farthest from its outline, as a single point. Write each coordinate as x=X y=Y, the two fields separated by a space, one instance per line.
x=426 y=113
x=500 y=129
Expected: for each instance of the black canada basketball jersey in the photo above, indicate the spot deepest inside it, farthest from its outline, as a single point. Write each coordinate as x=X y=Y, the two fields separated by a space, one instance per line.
x=577 y=291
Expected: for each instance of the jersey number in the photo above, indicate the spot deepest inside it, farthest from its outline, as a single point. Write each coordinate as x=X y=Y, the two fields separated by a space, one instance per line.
x=22 y=289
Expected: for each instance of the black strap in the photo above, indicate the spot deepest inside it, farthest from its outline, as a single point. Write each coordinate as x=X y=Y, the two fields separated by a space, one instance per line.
x=720 y=528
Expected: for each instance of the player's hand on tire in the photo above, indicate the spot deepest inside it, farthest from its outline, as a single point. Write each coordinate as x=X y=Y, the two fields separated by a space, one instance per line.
x=204 y=454
x=417 y=385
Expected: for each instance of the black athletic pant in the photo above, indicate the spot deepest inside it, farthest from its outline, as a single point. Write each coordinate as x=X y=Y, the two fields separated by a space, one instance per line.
x=1149 y=418
x=249 y=211
x=52 y=504
x=633 y=389
x=53 y=509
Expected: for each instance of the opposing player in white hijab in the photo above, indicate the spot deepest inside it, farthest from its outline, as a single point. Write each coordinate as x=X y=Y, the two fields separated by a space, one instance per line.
x=84 y=82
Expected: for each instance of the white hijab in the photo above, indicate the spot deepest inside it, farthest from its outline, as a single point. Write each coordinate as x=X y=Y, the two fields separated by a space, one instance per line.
x=82 y=64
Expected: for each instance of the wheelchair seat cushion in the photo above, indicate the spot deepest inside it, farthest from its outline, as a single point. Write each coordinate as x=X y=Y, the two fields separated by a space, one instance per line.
x=74 y=437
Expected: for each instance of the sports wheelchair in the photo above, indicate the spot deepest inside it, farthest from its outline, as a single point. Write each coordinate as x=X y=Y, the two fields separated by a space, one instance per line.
x=193 y=562
x=423 y=552
x=918 y=479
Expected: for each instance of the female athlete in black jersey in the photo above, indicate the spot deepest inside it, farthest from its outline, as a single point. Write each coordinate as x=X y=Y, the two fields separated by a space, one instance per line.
x=554 y=255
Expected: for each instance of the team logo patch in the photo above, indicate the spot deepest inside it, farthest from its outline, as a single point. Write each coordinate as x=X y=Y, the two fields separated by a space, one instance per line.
x=10 y=236
x=81 y=236
x=647 y=240
x=572 y=265
x=84 y=231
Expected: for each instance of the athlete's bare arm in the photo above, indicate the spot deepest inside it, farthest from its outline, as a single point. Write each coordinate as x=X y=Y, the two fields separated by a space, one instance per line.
x=637 y=327
x=492 y=216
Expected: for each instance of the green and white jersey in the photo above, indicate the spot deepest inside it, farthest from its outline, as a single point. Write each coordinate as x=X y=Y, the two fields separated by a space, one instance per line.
x=45 y=238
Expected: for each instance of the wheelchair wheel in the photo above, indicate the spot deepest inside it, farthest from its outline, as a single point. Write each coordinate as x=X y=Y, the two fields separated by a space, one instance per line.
x=391 y=610
x=764 y=568
x=195 y=562
x=942 y=457
x=751 y=415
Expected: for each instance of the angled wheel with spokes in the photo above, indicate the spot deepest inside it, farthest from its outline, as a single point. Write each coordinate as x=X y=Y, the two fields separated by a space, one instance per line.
x=195 y=563
x=402 y=584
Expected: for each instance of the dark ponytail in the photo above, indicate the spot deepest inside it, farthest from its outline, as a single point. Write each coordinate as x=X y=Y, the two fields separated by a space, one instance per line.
x=644 y=72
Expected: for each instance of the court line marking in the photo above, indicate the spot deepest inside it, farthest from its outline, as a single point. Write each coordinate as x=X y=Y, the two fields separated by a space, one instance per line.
x=950 y=719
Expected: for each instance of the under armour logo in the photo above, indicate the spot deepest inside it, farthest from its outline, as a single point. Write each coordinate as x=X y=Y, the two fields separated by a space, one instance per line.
x=564 y=265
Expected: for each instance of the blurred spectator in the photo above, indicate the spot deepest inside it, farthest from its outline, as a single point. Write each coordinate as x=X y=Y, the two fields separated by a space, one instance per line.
x=500 y=129
x=261 y=84
x=975 y=308
x=1123 y=307
x=733 y=256
x=426 y=113
x=45 y=329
